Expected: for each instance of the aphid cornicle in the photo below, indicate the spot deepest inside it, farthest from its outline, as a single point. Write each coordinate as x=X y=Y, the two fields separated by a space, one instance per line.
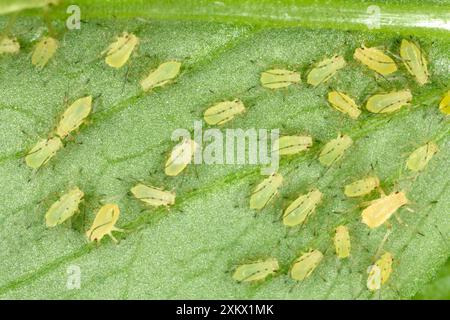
x=44 y=51
x=9 y=45
x=380 y=272
x=343 y=103
x=444 y=105
x=223 y=112
x=153 y=196
x=304 y=265
x=388 y=102
x=279 y=78
x=342 y=242
x=414 y=61
x=164 y=74
x=376 y=60
x=42 y=152
x=265 y=191
x=118 y=52
x=419 y=158
x=180 y=157
x=362 y=187
x=288 y=145
x=256 y=271
x=64 y=208
x=334 y=150
x=74 y=116
x=380 y=210
x=324 y=70
x=104 y=223
x=301 y=208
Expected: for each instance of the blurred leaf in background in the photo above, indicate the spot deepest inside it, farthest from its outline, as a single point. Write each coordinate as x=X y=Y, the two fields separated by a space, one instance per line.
x=190 y=250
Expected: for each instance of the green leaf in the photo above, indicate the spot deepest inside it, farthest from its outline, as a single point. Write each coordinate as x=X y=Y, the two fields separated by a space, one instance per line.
x=439 y=288
x=189 y=250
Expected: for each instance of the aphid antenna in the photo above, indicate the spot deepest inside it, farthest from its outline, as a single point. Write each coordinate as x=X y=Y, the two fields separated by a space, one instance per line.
x=394 y=55
x=392 y=287
x=445 y=240
x=382 y=243
x=296 y=285
x=127 y=72
x=379 y=75
x=279 y=217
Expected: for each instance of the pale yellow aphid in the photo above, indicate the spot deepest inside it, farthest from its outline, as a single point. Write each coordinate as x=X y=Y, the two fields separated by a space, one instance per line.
x=104 y=223
x=334 y=150
x=362 y=187
x=414 y=61
x=223 y=112
x=380 y=272
x=256 y=271
x=153 y=196
x=301 y=208
x=380 y=210
x=64 y=208
x=74 y=116
x=9 y=45
x=342 y=242
x=444 y=105
x=376 y=60
x=343 y=103
x=304 y=265
x=44 y=51
x=165 y=73
x=42 y=152
x=419 y=158
x=325 y=69
x=388 y=102
x=279 y=78
x=265 y=191
x=180 y=157
x=118 y=52
x=288 y=145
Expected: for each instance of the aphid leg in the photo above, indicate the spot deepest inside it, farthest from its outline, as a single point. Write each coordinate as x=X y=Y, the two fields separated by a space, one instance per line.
x=442 y=235
x=381 y=191
x=195 y=171
x=48 y=22
x=113 y=238
x=125 y=79
x=279 y=217
x=399 y=219
x=295 y=286
x=394 y=55
x=118 y=229
x=366 y=203
x=382 y=243
x=29 y=135
x=395 y=289
x=321 y=277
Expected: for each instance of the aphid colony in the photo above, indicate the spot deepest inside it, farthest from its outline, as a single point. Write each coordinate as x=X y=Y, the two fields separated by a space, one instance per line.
x=297 y=213
x=105 y=220
x=378 y=211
